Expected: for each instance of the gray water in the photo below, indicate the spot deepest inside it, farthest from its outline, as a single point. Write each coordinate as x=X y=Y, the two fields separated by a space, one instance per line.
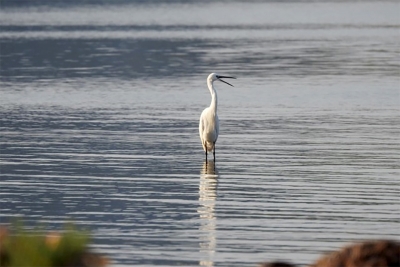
x=99 y=114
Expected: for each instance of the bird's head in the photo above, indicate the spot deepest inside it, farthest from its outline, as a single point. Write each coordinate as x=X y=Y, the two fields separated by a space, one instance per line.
x=216 y=77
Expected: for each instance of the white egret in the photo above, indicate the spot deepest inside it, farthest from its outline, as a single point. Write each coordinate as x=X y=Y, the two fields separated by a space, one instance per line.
x=209 y=123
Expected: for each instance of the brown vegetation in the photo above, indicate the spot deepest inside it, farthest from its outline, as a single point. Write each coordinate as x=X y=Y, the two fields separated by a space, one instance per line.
x=379 y=253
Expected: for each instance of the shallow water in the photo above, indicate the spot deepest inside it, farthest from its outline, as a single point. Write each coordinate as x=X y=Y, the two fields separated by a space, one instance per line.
x=99 y=116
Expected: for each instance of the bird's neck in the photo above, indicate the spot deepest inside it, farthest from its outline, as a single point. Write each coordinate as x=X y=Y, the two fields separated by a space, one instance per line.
x=214 y=98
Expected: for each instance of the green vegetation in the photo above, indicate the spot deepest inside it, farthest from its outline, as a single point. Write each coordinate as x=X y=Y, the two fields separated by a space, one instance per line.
x=21 y=247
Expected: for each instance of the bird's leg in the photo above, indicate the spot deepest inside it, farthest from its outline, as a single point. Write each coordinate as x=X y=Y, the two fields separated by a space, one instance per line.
x=214 y=152
x=205 y=146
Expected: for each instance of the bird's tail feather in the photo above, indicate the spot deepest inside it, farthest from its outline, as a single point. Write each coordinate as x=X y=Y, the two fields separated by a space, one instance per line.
x=208 y=146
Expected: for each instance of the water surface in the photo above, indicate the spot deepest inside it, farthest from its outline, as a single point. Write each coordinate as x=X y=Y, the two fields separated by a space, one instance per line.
x=99 y=116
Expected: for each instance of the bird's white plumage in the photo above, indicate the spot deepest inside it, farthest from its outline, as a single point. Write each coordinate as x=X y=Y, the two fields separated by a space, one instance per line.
x=209 y=128
x=209 y=122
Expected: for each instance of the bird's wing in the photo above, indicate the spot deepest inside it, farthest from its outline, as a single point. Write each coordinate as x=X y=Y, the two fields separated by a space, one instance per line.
x=216 y=126
x=202 y=128
x=202 y=125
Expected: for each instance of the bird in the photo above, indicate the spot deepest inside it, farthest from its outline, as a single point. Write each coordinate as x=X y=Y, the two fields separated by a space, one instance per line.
x=209 y=122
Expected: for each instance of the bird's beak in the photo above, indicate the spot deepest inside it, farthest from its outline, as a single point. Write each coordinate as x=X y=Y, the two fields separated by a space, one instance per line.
x=230 y=77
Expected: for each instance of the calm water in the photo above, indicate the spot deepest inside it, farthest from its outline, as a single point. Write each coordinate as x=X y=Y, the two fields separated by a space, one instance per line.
x=99 y=116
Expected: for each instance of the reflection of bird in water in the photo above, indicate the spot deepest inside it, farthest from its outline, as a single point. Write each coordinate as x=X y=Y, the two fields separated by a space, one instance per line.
x=377 y=253
x=209 y=169
x=206 y=210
